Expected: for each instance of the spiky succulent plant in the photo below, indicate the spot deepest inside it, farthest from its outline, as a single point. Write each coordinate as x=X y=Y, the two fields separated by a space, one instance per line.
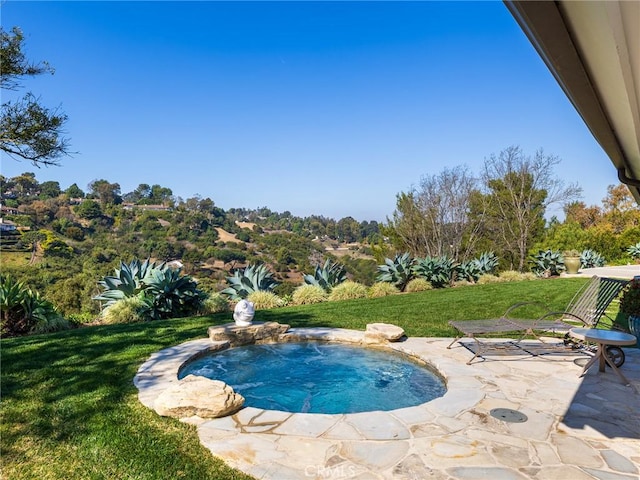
x=590 y=259
x=254 y=278
x=397 y=271
x=163 y=291
x=327 y=276
x=436 y=270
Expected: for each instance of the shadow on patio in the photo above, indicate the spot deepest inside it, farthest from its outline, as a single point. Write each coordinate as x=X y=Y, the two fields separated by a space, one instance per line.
x=604 y=404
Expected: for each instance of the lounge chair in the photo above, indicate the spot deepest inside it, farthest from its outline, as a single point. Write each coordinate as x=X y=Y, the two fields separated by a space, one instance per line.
x=586 y=309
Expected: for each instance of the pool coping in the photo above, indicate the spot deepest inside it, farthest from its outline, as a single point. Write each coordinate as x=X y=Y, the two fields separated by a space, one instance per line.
x=161 y=370
x=453 y=436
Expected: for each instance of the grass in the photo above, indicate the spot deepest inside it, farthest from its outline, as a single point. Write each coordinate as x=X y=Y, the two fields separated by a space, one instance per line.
x=70 y=410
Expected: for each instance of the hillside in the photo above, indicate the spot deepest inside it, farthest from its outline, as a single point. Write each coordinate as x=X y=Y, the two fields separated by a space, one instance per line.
x=61 y=243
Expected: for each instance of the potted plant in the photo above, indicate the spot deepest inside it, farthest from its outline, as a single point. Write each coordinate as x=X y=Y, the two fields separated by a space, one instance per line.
x=630 y=305
x=571 y=259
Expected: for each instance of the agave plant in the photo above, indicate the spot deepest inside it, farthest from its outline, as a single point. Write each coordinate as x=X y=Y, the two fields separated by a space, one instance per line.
x=171 y=295
x=397 y=271
x=472 y=270
x=590 y=259
x=25 y=311
x=487 y=262
x=163 y=291
x=547 y=263
x=436 y=270
x=254 y=278
x=634 y=251
x=327 y=276
x=469 y=271
x=128 y=281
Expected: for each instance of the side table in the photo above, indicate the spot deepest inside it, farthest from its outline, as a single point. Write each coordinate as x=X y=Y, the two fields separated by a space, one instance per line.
x=603 y=338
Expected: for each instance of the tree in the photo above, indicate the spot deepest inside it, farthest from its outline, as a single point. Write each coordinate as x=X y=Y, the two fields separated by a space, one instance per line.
x=89 y=209
x=107 y=193
x=49 y=189
x=620 y=208
x=74 y=191
x=25 y=184
x=579 y=212
x=517 y=191
x=28 y=130
x=433 y=219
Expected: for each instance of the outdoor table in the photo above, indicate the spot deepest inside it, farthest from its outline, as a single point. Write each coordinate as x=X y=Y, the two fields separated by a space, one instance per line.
x=603 y=338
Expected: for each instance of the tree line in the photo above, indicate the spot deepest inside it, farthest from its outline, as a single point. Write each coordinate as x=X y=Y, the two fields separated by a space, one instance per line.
x=502 y=210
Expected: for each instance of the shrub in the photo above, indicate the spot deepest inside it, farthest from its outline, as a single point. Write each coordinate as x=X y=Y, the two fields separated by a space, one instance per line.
x=630 y=300
x=489 y=278
x=214 y=303
x=348 y=290
x=473 y=269
x=463 y=283
x=263 y=300
x=382 y=289
x=487 y=262
x=309 y=294
x=510 y=276
x=468 y=271
x=127 y=310
x=418 y=285
x=515 y=276
x=54 y=324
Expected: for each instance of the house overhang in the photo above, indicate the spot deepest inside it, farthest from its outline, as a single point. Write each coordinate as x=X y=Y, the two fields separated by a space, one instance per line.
x=592 y=48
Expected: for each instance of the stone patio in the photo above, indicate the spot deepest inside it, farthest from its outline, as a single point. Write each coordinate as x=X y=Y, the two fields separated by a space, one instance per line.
x=576 y=428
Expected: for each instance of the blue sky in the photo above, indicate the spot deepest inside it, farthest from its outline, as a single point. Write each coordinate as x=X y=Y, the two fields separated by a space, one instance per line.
x=328 y=108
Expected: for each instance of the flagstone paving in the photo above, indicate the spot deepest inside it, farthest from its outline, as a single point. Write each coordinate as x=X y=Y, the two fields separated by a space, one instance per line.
x=576 y=428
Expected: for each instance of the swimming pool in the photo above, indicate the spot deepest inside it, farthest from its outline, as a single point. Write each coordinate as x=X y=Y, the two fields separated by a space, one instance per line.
x=320 y=377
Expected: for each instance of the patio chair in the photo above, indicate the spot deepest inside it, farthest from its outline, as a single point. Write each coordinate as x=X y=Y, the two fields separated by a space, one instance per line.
x=586 y=309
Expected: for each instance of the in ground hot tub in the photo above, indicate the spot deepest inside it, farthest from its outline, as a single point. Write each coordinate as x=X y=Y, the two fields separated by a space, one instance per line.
x=320 y=377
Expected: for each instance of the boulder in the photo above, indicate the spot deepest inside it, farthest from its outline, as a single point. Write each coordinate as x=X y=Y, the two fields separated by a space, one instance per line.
x=383 y=332
x=194 y=395
x=257 y=332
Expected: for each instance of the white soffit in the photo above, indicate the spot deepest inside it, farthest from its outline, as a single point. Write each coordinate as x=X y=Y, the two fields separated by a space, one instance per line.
x=592 y=48
x=607 y=36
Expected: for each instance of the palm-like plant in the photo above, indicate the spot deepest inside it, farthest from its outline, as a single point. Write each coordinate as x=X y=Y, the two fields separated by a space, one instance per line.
x=327 y=276
x=254 y=278
x=397 y=271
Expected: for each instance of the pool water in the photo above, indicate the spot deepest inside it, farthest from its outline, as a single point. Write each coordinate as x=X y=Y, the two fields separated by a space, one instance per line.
x=316 y=377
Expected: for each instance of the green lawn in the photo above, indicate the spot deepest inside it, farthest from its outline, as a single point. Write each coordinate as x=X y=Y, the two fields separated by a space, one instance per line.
x=70 y=410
